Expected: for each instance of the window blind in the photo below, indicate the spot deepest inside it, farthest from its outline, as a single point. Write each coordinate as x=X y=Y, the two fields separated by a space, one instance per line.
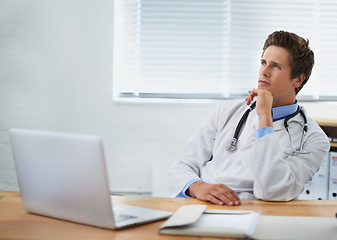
x=326 y=50
x=212 y=48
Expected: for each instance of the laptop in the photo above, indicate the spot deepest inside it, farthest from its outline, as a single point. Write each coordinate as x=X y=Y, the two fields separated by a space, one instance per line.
x=64 y=176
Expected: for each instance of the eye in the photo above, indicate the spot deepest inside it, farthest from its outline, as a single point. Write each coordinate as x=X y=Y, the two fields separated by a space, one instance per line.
x=263 y=62
x=277 y=66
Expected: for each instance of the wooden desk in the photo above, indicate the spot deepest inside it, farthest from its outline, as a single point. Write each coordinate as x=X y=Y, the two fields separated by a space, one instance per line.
x=16 y=223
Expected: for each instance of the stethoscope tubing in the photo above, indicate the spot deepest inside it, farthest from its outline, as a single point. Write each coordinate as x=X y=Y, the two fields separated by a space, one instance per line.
x=233 y=142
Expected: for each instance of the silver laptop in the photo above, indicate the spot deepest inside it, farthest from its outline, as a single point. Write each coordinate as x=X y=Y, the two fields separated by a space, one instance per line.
x=64 y=176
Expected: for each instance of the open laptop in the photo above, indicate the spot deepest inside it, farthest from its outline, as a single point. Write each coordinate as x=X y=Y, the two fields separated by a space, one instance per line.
x=64 y=176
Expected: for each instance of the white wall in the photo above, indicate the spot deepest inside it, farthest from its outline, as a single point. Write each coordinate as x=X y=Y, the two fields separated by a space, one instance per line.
x=56 y=74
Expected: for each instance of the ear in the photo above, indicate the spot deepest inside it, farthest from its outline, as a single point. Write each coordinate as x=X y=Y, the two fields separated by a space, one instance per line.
x=299 y=80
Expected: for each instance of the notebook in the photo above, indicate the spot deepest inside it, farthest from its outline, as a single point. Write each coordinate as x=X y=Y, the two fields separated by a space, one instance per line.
x=64 y=176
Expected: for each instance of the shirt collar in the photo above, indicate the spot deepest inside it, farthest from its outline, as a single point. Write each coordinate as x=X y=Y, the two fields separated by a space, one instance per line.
x=283 y=111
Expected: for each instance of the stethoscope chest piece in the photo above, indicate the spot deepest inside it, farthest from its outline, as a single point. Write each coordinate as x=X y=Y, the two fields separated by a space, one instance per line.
x=232 y=145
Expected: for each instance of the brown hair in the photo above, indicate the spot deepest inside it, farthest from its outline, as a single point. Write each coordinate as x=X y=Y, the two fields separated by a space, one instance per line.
x=301 y=57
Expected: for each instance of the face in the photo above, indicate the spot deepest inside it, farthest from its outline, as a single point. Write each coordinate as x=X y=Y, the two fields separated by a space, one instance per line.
x=275 y=76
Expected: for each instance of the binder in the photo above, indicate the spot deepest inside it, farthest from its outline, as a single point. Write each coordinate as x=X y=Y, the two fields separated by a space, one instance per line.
x=333 y=176
x=321 y=180
x=318 y=187
x=308 y=192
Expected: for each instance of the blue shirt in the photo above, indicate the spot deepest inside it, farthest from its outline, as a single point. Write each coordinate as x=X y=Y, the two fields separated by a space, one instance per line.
x=277 y=112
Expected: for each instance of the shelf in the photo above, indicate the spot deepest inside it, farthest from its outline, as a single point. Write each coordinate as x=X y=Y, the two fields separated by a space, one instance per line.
x=326 y=122
x=333 y=144
x=329 y=126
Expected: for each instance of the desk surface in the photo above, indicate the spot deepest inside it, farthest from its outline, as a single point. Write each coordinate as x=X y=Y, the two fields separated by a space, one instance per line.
x=16 y=223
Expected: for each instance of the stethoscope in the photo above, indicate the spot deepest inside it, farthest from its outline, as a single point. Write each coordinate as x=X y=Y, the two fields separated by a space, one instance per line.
x=232 y=144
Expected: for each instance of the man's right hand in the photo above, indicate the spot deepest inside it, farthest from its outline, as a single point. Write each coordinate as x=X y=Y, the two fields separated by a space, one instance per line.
x=216 y=193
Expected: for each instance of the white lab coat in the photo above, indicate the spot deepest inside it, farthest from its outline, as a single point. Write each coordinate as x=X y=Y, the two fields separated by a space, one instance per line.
x=259 y=168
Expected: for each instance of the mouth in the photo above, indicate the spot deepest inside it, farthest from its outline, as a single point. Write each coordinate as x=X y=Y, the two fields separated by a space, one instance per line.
x=263 y=82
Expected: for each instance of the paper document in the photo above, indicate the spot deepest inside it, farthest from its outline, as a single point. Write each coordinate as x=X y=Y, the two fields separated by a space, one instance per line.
x=195 y=220
x=244 y=223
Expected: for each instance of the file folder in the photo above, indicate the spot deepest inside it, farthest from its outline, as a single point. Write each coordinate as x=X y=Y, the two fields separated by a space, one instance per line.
x=333 y=176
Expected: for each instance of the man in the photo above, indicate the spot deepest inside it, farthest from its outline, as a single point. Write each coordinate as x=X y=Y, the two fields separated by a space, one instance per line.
x=267 y=162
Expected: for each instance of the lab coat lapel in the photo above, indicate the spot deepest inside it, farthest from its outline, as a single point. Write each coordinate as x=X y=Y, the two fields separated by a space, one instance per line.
x=253 y=124
x=278 y=125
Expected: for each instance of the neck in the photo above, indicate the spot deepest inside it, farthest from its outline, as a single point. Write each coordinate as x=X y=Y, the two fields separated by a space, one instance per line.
x=283 y=103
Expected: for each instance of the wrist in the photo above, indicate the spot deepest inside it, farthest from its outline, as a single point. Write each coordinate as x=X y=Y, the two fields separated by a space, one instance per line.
x=191 y=190
x=265 y=121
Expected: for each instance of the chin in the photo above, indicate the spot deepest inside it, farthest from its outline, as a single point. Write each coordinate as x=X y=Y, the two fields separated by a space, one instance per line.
x=263 y=87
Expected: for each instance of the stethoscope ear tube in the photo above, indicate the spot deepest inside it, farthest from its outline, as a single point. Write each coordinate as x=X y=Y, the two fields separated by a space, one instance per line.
x=293 y=115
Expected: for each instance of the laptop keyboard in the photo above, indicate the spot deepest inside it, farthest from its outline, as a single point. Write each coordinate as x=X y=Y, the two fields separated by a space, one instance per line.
x=119 y=213
x=123 y=217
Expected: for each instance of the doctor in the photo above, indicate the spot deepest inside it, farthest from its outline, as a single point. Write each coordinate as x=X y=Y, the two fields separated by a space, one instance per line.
x=266 y=161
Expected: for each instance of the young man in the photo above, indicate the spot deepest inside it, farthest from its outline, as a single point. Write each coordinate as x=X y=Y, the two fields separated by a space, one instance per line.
x=265 y=161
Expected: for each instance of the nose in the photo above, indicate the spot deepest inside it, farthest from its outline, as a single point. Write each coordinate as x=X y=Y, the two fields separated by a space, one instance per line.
x=264 y=71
